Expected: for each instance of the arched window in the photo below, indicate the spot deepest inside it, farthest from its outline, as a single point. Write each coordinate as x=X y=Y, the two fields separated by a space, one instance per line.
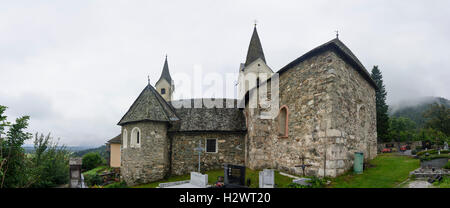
x=125 y=138
x=283 y=118
x=136 y=137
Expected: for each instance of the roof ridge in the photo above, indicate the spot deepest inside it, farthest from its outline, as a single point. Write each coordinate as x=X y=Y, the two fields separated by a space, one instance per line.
x=160 y=99
x=134 y=102
x=148 y=106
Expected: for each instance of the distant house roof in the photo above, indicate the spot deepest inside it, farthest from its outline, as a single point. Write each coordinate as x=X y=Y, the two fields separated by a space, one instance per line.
x=255 y=50
x=149 y=106
x=116 y=139
x=208 y=119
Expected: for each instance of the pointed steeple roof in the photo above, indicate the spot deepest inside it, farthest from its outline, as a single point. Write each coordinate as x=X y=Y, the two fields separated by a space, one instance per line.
x=165 y=72
x=255 y=50
x=149 y=106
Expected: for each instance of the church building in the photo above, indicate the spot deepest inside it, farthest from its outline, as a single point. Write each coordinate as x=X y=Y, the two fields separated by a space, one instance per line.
x=326 y=113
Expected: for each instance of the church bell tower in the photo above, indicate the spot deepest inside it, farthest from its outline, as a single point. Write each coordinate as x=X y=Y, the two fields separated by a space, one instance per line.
x=255 y=69
x=164 y=85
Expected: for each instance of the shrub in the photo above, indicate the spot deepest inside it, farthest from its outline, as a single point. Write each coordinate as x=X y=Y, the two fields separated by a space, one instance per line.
x=432 y=152
x=413 y=152
x=315 y=183
x=430 y=157
x=91 y=160
x=447 y=166
x=93 y=179
x=296 y=185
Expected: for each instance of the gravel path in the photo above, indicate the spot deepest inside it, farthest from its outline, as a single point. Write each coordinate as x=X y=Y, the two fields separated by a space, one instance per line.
x=419 y=184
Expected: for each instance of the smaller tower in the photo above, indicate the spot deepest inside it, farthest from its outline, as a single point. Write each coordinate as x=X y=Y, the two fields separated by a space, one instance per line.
x=164 y=85
x=255 y=69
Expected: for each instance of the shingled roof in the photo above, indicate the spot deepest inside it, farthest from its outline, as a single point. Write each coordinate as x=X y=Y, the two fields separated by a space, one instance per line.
x=208 y=119
x=165 y=72
x=116 y=140
x=255 y=50
x=149 y=106
x=342 y=50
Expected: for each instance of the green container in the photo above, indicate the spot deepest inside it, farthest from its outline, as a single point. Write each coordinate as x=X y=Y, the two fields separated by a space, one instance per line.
x=358 y=163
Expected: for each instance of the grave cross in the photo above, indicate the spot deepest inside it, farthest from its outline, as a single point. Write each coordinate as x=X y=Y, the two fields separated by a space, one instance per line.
x=303 y=166
x=199 y=149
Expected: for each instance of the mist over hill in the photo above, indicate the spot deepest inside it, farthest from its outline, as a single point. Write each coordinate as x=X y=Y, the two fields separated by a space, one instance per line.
x=29 y=148
x=414 y=108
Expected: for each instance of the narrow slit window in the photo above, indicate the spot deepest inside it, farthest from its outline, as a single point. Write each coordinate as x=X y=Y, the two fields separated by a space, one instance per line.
x=137 y=138
x=163 y=91
x=283 y=122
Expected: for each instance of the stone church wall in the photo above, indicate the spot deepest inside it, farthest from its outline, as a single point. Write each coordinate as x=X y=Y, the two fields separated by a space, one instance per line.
x=354 y=117
x=230 y=149
x=317 y=128
x=150 y=161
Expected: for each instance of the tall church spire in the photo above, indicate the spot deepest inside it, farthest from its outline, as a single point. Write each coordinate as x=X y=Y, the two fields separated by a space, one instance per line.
x=164 y=85
x=165 y=72
x=255 y=50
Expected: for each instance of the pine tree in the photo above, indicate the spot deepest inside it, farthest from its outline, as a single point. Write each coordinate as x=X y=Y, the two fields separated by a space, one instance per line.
x=382 y=107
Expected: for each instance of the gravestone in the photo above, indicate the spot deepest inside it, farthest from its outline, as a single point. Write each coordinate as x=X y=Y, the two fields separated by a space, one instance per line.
x=234 y=175
x=302 y=181
x=198 y=179
x=76 y=178
x=266 y=178
x=445 y=146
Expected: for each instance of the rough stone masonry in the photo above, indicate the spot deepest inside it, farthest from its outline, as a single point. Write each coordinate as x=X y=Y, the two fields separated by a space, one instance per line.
x=327 y=113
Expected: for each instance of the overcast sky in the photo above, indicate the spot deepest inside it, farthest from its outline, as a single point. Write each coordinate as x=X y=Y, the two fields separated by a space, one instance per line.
x=76 y=66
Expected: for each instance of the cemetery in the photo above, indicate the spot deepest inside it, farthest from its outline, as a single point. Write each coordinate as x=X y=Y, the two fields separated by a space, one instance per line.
x=433 y=164
x=428 y=168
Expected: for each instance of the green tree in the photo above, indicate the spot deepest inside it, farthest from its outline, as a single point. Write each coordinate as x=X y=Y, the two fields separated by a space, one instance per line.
x=91 y=160
x=432 y=135
x=49 y=162
x=438 y=118
x=381 y=106
x=13 y=166
x=401 y=129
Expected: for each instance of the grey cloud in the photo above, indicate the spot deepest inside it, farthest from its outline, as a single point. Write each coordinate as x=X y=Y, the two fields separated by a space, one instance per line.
x=84 y=62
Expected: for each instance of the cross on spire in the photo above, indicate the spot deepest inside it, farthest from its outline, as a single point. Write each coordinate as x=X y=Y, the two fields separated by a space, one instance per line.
x=255 y=22
x=148 y=77
x=337 y=34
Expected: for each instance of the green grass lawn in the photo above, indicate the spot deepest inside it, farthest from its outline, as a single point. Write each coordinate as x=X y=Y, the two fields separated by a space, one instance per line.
x=389 y=171
x=445 y=183
x=98 y=169
x=280 y=180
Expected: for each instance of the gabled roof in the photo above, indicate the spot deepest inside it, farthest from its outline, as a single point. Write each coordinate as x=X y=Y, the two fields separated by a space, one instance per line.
x=165 y=72
x=116 y=140
x=255 y=50
x=149 y=106
x=334 y=45
x=208 y=119
x=342 y=50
